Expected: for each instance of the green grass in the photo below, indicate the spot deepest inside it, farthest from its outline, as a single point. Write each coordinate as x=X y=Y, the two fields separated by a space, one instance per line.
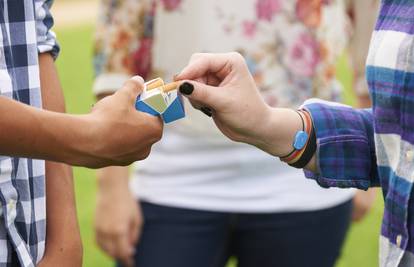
x=361 y=247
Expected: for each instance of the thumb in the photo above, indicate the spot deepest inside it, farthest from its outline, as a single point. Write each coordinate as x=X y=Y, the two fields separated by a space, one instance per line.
x=203 y=94
x=132 y=88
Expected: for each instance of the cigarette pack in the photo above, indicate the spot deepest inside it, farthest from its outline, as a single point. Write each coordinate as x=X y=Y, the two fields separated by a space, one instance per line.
x=163 y=100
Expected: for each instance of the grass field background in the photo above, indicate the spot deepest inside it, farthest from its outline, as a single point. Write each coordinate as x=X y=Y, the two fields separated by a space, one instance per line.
x=75 y=67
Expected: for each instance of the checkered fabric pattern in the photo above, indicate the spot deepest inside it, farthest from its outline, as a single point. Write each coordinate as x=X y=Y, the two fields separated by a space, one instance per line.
x=346 y=149
x=24 y=32
x=359 y=148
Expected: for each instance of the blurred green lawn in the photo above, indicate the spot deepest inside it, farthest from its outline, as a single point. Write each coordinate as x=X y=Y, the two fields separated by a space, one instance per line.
x=75 y=67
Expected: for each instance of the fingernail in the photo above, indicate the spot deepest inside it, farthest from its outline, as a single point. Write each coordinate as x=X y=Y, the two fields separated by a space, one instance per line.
x=186 y=88
x=138 y=79
x=207 y=111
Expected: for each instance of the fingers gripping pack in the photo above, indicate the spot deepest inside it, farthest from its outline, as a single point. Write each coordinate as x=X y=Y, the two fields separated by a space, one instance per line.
x=160 y=99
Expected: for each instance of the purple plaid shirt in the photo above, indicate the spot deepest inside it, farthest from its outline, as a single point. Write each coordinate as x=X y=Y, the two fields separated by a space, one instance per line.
x=364 y=148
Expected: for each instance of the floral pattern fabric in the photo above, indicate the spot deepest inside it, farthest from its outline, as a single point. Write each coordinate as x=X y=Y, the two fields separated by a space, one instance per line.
x=298 y=42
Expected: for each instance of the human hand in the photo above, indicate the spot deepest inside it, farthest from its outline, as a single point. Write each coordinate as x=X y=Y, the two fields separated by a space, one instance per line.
x=223 y=84
x=118 y=133
x=118 y=217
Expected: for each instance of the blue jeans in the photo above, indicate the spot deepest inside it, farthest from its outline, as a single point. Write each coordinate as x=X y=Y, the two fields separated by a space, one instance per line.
x=176 y=237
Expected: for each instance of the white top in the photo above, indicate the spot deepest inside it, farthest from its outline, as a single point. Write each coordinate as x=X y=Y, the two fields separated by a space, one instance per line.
x=291 y=51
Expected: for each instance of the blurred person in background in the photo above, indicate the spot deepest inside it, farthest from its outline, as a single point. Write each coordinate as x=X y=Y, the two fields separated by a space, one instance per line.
x=200 y=199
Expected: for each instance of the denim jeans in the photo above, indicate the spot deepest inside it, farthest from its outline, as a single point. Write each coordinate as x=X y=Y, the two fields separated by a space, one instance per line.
x=177 y=237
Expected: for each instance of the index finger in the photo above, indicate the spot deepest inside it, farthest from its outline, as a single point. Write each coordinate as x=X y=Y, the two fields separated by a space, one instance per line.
x=219 y=64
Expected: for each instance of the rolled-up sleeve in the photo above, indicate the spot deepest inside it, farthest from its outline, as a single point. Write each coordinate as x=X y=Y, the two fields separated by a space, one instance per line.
x=346 y=148
x=46 y=38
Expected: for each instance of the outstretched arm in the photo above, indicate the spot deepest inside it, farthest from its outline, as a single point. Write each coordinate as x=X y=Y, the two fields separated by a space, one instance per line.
x=114 y=133
x=345 y=138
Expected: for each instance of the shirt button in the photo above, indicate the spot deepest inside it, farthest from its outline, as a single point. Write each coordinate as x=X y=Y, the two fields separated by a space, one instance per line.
x=409 y=155
x=12 y=204
x=398 y=240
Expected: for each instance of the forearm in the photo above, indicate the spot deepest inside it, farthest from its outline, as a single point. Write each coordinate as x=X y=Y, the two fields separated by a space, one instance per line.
x=63 y=242
x=36 y=133
x=364 y=15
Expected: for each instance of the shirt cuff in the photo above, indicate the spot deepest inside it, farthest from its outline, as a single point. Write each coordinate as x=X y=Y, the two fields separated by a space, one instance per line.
x=346 y=150
x=46 y=38
x=109 y=83
x=49 y=45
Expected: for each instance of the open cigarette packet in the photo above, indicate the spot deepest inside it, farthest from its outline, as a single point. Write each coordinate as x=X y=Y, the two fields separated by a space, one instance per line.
x=160 y=99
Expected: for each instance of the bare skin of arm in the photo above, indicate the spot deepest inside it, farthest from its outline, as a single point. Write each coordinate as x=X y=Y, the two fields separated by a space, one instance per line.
x=63 y=241
x=114 y=133
x=364 y=14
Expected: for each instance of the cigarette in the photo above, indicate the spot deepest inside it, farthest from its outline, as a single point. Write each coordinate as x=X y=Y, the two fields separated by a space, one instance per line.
x=170 y=87
x=154 y=84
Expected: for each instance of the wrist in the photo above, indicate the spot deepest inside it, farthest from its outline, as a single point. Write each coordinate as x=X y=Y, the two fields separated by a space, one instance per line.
x=70 y=137
x=278 y=131
x=113 y=179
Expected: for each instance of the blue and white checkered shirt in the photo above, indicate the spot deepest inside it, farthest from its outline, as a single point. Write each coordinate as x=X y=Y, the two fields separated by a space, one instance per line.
x=25 y=32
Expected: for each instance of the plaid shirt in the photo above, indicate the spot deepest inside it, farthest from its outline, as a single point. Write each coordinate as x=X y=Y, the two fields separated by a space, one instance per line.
x=361 y=148
x=24 y=33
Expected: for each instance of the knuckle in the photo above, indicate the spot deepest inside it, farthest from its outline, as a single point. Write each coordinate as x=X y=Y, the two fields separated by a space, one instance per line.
x=125 y=163
x=116 y=231
x=195 y=56
x=107 y=232
x=144 y=154
x=202 y=94
x=198 y=56
x=157 y=133
x=236 y=56
x=138 y=79
x=132 y=84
